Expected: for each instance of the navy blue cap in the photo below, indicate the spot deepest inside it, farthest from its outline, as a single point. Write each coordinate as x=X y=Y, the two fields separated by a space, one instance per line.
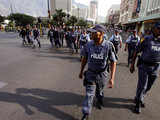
x=98 y=28
x=157 y=25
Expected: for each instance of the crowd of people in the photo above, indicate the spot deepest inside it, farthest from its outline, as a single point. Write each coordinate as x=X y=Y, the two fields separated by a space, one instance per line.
x=100 y=51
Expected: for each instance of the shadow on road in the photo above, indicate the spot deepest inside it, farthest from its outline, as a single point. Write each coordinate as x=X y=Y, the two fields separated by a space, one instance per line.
x=69 y=58
x=46 y=100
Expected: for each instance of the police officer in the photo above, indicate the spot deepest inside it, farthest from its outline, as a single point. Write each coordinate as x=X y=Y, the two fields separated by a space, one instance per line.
x=84 y=38
x=131 y=44
x=36 y=35
x=73 y=40
x=28 y=34
x=51 y=35
x=96 y=53
x=61 y=32
x=67 y=33
x=57 y=37
x=149 y=65
x=116 y=39
x=23 y=35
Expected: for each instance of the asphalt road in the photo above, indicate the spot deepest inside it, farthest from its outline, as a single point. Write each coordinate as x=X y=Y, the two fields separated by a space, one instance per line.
x=43 y=84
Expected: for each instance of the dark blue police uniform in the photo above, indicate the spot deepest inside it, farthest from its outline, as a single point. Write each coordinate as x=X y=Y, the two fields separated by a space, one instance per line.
x=148 y=68
x=132 y=42
x=51 y=34
x=96 y=75
x=36 y=35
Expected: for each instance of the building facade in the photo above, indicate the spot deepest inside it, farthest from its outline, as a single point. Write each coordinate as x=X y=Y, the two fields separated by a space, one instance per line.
x=93 y=10
x=114 y=14
x=65 y=5
x=128 y=11
x=80 y=10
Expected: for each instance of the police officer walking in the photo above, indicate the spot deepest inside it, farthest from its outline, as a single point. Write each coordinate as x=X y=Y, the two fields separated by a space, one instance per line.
x=23 y=35
x=57 y=37
x=96 y=53
x=61 y=32
x=116 y=39
x=73 y=40
x=84 y=38
x=131 y=44
x=51 y=35
x=148 y=65
x=36 y=35
x=28 y=34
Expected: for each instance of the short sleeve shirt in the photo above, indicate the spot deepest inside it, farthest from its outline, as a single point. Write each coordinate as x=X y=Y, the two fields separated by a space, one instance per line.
x=150 y=49
x=130 y=38
x=97 y=56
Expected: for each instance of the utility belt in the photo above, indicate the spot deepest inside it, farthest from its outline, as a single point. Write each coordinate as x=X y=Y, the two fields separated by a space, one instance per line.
x=140 y=61
x=97 y=72
x=149 y=63
x=88 y=82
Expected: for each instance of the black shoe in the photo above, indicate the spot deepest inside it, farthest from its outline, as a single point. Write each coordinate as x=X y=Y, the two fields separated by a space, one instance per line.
x=142 y=103
x=99 y=104
x=85 y=117
x=137 y=108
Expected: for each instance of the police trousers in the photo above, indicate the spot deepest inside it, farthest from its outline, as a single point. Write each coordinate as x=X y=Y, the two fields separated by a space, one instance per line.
x=130 y=54
x=38 y=41
x=57 y=42
x=51 y=41
x=29 y=40
x=24 y=40
x=147 y=74
x=92 y=91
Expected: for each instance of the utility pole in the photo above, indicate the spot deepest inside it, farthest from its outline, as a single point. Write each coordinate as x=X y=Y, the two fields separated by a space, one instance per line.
x=78 y=10
x=49 y=12
x=67 y=9
x=11 y=8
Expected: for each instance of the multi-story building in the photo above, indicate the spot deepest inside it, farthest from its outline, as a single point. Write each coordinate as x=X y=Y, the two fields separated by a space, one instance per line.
x=149 y=13
x=124 y=11
x=65 y=5
x=128 y=11
x=70 y=7
x=149 y=7
x=93 y=10
x=80 y=10
x=114 y=14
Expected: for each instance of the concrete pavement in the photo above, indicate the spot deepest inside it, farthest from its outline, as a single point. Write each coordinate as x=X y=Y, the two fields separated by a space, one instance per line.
x=43 y=84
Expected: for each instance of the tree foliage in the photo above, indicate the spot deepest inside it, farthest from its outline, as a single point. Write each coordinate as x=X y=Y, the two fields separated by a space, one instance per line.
x=1 y=18
x=21 y=19
x=73 y=20
x=59 y=17
x=82 y=23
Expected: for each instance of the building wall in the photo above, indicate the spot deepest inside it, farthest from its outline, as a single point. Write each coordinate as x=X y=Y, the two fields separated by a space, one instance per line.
x=65 y=5
x=93 y=10
x=153 y=7
x=128 y=10
x=124 y=11
x=80 y=12
x=149 y=7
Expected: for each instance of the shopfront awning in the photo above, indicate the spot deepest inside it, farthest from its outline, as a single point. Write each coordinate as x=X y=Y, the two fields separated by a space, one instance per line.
x=145 y=19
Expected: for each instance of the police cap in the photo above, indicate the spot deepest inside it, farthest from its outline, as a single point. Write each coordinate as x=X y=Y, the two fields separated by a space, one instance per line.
x=97 y=28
